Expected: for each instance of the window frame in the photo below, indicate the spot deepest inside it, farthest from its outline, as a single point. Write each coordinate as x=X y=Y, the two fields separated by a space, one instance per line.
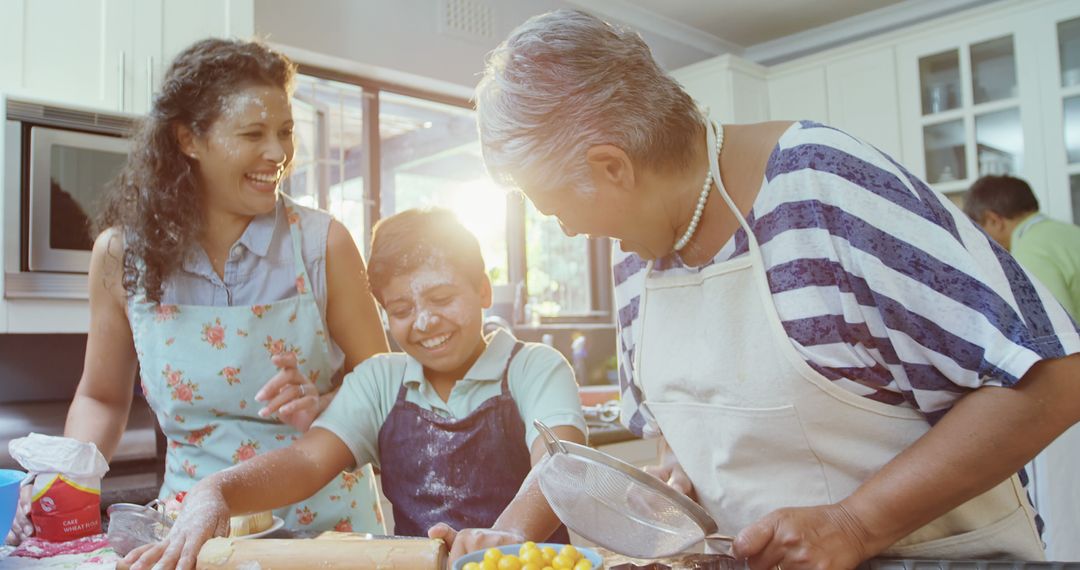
x=599 y=249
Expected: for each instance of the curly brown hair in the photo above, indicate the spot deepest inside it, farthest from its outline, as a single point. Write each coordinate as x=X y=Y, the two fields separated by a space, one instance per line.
x=155 y=201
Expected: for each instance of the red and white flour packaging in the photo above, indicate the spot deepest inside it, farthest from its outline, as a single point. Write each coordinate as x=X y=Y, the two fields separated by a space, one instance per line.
x=66 y=498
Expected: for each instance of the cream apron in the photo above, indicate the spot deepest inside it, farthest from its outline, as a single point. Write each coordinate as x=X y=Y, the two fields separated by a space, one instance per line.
x=757 y=429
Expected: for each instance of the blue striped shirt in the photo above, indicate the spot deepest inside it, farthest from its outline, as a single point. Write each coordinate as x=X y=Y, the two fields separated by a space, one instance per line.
x=883 y=285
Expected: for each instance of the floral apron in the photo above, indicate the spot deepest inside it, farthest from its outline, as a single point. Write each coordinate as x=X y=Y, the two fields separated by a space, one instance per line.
x=201 y=367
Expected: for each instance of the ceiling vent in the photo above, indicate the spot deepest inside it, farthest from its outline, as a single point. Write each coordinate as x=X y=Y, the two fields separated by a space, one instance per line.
x=468 y=19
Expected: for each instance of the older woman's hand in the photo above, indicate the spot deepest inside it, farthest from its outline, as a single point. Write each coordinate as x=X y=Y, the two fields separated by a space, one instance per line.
x=205 y=515
x=293 y=397
x=804 y=538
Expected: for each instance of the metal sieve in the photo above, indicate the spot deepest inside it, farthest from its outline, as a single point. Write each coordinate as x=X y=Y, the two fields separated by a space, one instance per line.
x=619 y=506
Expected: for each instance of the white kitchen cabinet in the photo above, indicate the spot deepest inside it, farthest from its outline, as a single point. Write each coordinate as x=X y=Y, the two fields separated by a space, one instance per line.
x=97 y=54
x=1058 y=35
x=970 y=102
x=862 y=98
x=11 y=38
x=106 y=54
x=851 y=89
x=72 y=50
x=164 y=28
x=734 y=90
x=799 y=94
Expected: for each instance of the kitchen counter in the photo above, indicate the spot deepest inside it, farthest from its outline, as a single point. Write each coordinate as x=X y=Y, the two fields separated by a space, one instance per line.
x=134 y=472
x=608 y=433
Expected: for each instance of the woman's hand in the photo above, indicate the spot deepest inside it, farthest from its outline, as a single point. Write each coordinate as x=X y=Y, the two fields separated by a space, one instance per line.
x=804 y=538
x=294 y=398
x=469 y=540
x=670 y=472
x=21 y=529
x=205 y=515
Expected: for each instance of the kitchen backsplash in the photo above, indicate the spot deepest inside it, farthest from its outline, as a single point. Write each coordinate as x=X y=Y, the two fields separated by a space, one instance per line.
x=36 y=367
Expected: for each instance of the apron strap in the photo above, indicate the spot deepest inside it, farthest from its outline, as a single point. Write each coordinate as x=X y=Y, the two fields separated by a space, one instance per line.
x=401 y=392
x=505 y=384
x=714 y=167
x=296 y=233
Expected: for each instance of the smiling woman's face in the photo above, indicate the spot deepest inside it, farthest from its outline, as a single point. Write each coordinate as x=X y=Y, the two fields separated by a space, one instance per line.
x=243 y=156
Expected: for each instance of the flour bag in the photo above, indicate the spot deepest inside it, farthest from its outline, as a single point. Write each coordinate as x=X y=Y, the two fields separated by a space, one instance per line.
x=66 y=498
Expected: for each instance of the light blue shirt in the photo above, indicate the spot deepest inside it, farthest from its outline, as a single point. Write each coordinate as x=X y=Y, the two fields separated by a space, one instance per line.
x=540 y=381
x=259 y=268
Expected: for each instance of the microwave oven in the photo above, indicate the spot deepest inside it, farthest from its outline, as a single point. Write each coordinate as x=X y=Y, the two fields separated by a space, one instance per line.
x=58 y=162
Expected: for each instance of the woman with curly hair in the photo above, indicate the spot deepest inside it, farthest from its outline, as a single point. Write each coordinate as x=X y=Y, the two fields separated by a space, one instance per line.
x=239 y=307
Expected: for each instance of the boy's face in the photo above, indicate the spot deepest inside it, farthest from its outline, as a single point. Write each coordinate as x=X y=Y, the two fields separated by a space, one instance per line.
x=436 y=316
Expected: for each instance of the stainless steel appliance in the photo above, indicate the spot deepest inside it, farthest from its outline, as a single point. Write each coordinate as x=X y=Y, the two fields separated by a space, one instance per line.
x=57 y=163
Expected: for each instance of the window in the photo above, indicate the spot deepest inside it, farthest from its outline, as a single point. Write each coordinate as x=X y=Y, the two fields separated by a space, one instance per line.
x=557 y=274
x=330 y=162
x=366 y=150
x=430 y=156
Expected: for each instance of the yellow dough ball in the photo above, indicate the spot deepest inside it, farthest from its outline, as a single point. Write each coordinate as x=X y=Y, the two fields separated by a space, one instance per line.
x=533 y=556
x=509 y=562
x=561 y=562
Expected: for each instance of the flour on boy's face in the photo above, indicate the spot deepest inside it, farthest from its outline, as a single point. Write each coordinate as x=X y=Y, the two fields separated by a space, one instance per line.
x=436 y=316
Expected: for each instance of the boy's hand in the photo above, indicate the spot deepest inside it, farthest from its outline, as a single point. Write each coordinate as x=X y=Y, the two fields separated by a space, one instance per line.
x=205 y=516
x=21 y=529
x=293 y=397
x=471 y=539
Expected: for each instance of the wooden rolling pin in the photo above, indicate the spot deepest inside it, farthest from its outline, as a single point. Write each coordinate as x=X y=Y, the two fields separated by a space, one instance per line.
x=334 y=550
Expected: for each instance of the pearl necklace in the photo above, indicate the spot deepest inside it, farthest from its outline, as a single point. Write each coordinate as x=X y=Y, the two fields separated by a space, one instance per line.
x=705 y=187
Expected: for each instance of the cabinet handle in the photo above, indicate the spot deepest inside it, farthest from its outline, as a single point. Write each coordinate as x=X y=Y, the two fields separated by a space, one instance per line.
x=120 y=86
x=149 y=82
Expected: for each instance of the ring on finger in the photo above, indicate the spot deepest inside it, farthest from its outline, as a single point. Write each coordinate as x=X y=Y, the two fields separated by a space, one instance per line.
x=303 y=390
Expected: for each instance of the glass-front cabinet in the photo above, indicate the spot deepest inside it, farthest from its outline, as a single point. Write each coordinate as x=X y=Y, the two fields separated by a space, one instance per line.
x=977 y=110
x=1066 y=97
x=970 y=113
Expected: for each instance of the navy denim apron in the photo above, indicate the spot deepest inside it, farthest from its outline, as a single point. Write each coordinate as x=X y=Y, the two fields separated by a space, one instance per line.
x=462 y=472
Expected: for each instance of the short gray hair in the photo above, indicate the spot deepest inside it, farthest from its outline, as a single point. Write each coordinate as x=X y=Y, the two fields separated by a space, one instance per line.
x=566 y=81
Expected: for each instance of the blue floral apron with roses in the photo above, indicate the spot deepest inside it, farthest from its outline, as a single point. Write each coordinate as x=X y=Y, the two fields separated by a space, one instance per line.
x=201 y=367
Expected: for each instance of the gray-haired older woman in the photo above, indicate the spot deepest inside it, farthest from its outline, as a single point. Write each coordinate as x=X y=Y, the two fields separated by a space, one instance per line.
x=841 y=363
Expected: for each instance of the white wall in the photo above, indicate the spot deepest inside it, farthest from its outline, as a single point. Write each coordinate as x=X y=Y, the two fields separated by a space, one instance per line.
x=403 y=35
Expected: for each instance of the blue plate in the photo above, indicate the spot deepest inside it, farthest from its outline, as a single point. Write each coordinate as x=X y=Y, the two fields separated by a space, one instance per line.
x=477 y=556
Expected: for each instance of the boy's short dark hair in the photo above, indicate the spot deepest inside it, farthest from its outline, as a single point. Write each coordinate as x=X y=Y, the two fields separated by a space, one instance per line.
x=407 y=240
x=1004 y=195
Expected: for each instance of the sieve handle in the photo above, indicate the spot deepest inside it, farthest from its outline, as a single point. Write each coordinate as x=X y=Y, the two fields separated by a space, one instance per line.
x=554 y=445
x=721 y=544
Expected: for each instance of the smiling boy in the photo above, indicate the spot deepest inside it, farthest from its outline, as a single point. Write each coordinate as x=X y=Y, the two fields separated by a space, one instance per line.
x=449 y=422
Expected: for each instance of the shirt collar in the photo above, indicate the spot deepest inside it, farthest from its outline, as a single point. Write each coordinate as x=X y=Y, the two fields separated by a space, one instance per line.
x=1026 y=224
x=488 y=368
x=260 y=232
x=256 y=238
